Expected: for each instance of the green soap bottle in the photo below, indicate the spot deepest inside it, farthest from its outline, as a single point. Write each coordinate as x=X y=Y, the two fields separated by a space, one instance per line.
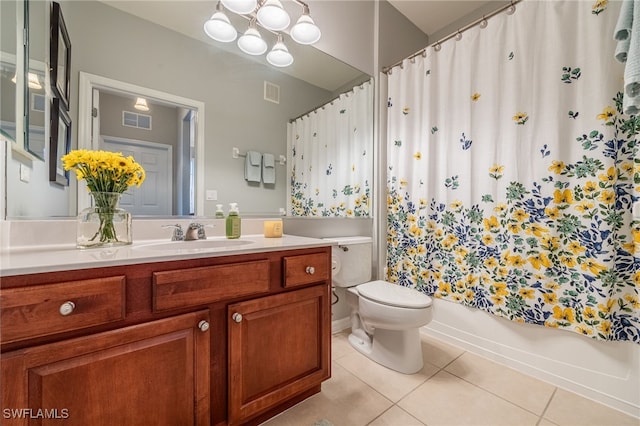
x=233 y=222
x=219 y=212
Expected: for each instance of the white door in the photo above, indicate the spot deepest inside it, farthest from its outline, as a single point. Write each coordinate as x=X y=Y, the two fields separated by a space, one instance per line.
x=154 y=196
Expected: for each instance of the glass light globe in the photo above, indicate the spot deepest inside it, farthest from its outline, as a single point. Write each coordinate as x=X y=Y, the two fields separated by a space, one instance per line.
x=279 y=56
x=241 y=7
x=272 y=16
x=305 y=30
x=219 y=28
x=252 y=43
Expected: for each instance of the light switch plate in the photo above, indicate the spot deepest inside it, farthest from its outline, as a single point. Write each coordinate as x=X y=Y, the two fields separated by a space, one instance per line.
x=211 y=195
x=25 y=173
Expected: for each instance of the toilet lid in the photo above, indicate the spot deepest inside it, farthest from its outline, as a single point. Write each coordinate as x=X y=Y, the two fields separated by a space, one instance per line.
x=394 y=295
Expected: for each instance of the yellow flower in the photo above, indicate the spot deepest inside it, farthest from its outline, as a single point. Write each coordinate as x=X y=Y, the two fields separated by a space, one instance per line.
x=594 y=267
x=475 y=97
x=520 y=215
x=516 y=261
x=568 y=261
x=496 y=169
x=584 y=206
x=501 y=289
x=590 y=313
x=552 y=285
x=498 y=300
x=633 y=299
x=527 y=293
x=536 y=230
x=575 y=247
x=514 y=228
x=557 y=167
x=565 y=314
x=491 y=263
x=417 y=155
x=104 y=171
x=500 y=208
x=562 y=197
x=605 y=328
x=550 y=298
x=552 y=212
x=607 y=197
x=416 y=231
x=583 y=330
x=590 y=187
x=456 y=204
x=611 y=176
x=539 y=261
x=520 y=116
x=487 y=239
x=607 y=112
x=491 y=224
x=550 y=243
x=606 y=309
x=444 y=287
x=469 y=295
x=403 y=182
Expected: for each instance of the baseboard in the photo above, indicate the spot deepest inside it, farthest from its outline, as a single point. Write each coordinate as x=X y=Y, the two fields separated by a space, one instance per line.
x=340 y=325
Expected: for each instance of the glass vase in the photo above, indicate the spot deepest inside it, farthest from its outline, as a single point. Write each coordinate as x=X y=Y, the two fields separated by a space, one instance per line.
x=104 y=224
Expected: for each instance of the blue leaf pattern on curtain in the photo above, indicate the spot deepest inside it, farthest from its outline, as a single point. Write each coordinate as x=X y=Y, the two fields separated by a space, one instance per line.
x=532 y=219
x=329 y=151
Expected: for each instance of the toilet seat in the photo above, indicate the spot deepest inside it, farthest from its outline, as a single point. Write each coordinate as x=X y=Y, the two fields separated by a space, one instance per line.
x=393 y=295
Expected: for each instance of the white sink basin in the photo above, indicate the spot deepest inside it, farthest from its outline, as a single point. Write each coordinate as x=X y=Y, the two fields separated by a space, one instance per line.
x=193 y=246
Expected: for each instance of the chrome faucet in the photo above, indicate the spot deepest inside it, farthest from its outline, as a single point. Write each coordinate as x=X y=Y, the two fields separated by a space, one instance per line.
x=178 y=234
x=195 y=232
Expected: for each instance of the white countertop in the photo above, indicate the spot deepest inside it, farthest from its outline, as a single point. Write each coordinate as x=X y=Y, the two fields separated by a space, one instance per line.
x=37 y=259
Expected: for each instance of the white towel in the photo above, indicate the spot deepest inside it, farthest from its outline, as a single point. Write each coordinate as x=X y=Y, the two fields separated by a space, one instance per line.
x=252 y=170
x=631 y=100
x=625 y=21
x=268 y=168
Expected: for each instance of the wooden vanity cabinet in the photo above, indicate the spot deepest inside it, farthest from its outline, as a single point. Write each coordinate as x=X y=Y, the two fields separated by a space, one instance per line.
x=210 y=341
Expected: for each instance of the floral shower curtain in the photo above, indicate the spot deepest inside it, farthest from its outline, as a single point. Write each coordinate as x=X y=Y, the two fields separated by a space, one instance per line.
x=329 y=151
x=512 y=172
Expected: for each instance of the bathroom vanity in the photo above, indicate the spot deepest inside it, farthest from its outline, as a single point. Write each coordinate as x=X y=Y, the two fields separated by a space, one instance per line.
x=163 y=334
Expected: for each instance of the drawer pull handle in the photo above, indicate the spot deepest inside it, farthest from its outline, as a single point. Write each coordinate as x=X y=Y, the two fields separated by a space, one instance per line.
x=203 y=325
x=67 y=308
x=237 y=317
x=310 y=270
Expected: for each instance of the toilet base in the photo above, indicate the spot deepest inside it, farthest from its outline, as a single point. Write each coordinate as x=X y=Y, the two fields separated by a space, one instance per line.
x=399 y=350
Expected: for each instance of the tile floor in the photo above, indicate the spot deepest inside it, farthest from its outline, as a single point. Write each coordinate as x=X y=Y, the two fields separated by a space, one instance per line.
x=455 y=387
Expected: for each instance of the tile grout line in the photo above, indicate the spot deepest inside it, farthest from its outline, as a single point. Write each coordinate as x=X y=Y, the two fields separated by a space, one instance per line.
x=546 y=407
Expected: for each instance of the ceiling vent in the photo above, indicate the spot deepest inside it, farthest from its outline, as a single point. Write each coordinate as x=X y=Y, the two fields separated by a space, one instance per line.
x=271 y=92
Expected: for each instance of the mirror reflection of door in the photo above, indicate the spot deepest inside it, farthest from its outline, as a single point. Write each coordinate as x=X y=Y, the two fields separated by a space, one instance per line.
x=159 y=136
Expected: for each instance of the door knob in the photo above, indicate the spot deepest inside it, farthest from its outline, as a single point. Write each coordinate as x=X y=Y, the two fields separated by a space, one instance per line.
x=67 y=308
x=203 y=325
x=310 y=270
x=237 y=317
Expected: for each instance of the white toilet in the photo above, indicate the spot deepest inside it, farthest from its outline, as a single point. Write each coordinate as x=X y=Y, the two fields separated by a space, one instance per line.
x=385 y=317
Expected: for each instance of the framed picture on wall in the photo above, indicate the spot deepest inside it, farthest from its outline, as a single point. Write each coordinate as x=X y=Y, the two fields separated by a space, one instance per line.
x=60 y=143
x=60 y=56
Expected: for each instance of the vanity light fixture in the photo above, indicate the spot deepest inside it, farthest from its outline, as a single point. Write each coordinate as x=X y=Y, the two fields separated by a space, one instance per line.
x=269 y=14
x=141 y=104
x=219 y=28
x=251 y=42
x=279 y=55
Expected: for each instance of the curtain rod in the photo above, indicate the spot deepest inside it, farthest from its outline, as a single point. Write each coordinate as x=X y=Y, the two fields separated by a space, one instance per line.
x=423 y=51
x=361 y=85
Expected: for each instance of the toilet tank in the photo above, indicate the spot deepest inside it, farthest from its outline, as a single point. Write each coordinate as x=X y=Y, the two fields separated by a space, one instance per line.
x=351 y=260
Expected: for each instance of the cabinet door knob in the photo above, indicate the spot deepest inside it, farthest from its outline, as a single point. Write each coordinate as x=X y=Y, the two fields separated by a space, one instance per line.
x=310 y=270
x=67 y=308
x=237 y=317
x=203 y=325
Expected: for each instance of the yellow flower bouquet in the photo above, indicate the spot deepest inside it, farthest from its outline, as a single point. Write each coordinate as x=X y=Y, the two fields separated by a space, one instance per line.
x=107 y=175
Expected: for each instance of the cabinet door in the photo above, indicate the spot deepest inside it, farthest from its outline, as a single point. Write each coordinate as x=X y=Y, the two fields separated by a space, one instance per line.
x=279 y=347
x=155 y=373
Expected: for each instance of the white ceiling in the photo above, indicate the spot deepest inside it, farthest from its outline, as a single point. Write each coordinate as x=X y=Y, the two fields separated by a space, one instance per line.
x=187 y=16
x=432 y=16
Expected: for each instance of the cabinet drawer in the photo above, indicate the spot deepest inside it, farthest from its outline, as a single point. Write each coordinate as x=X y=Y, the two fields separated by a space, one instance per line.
x=306 y=269
x=53 y=308
x=198 y=286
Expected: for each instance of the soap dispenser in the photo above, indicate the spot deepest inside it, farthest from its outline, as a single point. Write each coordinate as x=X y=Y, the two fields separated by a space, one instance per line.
x=219 y=212
x=233 y=222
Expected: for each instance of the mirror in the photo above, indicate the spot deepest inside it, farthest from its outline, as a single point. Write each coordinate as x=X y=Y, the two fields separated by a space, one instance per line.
x=8 y=67
x=107 y=41
x=36 y=101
